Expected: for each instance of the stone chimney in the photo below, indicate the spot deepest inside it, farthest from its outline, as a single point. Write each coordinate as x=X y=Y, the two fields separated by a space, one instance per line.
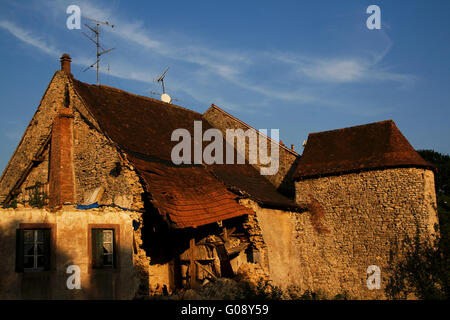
x=292 y=147
x=65 y=63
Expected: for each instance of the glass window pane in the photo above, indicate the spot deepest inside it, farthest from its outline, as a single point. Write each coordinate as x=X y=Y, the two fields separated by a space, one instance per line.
x=28 y=262
x=40 y=248
x=108 y=260
x=28 y=235
x=40 y=235
x=107 y=235
x=107 y=248
x=29 y=249
x=40 y=261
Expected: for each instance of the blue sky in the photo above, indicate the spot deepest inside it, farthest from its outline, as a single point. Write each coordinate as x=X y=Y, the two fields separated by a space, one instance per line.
x=298 y=66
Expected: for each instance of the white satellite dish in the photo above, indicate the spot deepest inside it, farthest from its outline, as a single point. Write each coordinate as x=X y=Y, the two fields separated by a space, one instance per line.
x=166 y=98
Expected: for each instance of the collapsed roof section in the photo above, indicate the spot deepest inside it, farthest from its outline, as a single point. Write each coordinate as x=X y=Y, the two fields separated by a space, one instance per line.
x=366 y=147
x=187 y=195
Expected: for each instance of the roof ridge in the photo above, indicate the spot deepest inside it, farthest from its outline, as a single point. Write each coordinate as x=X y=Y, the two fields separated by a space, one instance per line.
x=363 y=147
x=250 y=127
x=137 y=95
x=58 y=72
x=354 y=127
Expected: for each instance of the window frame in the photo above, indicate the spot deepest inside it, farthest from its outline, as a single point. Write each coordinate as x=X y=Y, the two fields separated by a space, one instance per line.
x=20 y=259
x=35 y=243
x=116 y=247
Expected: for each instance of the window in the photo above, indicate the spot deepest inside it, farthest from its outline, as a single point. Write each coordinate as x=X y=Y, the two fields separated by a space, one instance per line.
x=103 y=248
x=33 y=249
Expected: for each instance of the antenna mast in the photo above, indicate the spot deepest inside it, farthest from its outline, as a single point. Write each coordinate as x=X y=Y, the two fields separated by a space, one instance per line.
x=164 y=97
x=96 y=31
x=161 y=79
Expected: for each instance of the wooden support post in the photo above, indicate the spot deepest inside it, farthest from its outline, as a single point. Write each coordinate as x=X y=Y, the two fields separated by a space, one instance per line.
x=193 y=265
x=225 y=234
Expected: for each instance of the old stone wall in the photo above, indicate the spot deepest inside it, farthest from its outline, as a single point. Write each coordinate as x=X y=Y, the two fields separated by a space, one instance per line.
x=71 y=247
x=283 y=179
x=354 y=221
x=100 y=174
x=37 y=178
x=99 y=168
x=35 y=136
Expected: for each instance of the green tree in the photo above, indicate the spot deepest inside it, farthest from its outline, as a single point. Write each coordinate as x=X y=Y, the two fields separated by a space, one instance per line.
x=425 y=271
x=442 y=183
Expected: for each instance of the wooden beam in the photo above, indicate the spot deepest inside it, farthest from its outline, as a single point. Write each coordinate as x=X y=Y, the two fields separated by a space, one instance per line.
x=192 y=265
x=28 y=168
x=225 y=234
x=200 y=265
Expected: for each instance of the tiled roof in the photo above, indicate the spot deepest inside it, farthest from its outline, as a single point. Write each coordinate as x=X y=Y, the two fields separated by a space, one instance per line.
x=187 y=195
x=136 y=123
x=244 y=178
x=372 y=146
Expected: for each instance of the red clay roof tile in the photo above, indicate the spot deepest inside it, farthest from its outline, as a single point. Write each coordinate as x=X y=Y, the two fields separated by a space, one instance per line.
x=186 y=195
x=371 y=146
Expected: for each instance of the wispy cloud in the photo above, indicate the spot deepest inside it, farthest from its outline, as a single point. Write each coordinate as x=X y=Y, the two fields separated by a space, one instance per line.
x=205 y=72
x=29 y=38
x=221 y=63
x=335 y=70
x=343 y=70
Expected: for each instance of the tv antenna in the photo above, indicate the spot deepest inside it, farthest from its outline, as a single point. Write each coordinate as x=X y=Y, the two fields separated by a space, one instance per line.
x=164 y=97
x=96 y=31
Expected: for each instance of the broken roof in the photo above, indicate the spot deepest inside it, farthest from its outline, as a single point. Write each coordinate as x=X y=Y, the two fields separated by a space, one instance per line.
x=187 y=195
x=371 y=146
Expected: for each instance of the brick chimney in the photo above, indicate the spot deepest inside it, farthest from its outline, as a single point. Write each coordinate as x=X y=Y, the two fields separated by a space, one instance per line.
x=65 y=63
x=61 y=176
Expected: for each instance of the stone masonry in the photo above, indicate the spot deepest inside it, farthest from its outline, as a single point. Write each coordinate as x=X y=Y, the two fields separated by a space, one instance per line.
x=366 y=214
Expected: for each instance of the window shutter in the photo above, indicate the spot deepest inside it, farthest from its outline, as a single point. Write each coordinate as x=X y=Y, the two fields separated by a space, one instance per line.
x=97 y=248
x=19 y=250
x=47 y=249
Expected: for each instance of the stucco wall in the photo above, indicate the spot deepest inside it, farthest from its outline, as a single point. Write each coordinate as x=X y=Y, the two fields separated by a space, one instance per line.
x=71 y=249
x=275 y=230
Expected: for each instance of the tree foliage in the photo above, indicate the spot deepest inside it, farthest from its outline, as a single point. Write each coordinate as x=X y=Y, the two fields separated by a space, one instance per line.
x=425 y=271
x=442 y=183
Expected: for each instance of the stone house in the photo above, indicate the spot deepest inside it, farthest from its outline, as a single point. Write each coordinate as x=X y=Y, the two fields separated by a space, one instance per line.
x=92 y=185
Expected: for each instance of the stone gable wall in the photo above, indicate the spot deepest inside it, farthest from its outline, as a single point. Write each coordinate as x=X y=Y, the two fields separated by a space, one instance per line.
x=96 y=161
x=98 y=164
x=283 y=179
x=35 y=135
x=38 y=176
